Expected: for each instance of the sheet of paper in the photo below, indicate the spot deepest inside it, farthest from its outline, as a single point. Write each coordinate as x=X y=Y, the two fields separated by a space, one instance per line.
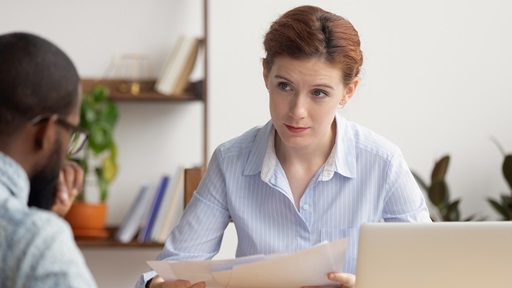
x=302 y=268
x=197 y=271
x=193 y=271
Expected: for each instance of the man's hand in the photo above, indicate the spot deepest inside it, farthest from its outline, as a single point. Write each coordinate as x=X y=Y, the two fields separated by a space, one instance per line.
x=71 y=179
x=345 y=280
x=158 y=282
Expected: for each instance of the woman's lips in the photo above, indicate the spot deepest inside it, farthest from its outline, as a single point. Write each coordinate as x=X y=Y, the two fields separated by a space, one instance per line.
x=294 y=129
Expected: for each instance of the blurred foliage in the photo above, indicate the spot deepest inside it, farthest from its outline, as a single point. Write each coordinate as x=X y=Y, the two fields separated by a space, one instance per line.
x=439 y=193
x=99 y=115
x=504 y=205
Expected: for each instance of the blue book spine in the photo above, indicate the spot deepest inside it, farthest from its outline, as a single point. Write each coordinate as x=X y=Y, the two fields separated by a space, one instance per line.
x=154 y=209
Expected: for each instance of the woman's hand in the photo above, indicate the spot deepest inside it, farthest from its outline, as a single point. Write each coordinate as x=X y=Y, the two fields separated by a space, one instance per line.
x=71 y=179
x=158 y=282
x=345 y=280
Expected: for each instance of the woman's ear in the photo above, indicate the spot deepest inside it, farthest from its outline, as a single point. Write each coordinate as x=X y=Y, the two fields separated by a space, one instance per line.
x=265 y=72
x=350 y=90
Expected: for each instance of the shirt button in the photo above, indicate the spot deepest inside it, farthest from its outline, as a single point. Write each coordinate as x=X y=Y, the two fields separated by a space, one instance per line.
x=305 y=207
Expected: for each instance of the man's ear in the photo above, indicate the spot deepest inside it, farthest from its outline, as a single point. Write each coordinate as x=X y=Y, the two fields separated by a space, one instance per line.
x=350 y=90
x=45 y=135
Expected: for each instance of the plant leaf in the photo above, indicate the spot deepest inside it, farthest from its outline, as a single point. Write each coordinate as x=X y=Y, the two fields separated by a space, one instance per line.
x=452 y=212
x=507 y=169
x=109 y=168
x=110 y=114
x=505 y=200
x=440 y=169
x=100 y=137
x=102 y=184
x=437 y=193
x=99 y=93
x=500 y=209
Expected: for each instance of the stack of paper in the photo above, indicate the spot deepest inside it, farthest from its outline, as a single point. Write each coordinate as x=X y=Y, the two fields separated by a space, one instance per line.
x=304 y=268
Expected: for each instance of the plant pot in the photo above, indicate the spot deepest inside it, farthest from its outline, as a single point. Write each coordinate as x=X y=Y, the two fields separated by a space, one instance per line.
x=88 y=219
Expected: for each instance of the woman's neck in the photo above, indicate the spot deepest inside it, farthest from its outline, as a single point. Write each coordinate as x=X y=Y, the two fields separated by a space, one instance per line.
x=313 y=155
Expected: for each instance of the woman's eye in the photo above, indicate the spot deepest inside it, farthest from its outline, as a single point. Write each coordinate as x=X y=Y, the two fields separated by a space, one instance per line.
x=319 y=93
x=283 y=86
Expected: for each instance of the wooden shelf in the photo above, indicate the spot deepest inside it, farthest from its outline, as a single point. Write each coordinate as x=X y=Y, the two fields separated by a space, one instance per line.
x=110 y=242
x=192 y=93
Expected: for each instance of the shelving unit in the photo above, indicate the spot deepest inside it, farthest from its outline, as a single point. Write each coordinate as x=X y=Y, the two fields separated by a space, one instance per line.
x=194 y=92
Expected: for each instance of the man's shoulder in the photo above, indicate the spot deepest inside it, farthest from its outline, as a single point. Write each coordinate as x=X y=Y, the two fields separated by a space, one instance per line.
x=34 y=224
x=33 y=241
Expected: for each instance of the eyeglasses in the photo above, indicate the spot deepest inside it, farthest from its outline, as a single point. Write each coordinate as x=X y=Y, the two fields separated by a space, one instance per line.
x=78 y=135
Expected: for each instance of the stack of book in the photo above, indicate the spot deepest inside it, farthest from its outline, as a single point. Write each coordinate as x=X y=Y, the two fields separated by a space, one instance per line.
x=154 y=212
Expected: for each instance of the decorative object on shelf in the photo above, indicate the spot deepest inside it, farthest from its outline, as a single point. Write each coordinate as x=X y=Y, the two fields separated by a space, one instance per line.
x=132 y=71
x=88 y=219
x=504 y=205
x=439 y=194
x=98 y=116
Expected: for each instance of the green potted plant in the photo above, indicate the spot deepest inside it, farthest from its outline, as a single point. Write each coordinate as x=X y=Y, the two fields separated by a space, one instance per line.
x=439 y=193
x=98 y=116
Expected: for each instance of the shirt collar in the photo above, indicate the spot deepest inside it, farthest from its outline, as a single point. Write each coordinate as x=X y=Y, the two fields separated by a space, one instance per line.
x=342 y=159
x=13 y=178
x=258 y=157
x=345 y=147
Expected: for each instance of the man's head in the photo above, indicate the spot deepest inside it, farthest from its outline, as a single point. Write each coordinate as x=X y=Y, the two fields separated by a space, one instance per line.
x=39 y=104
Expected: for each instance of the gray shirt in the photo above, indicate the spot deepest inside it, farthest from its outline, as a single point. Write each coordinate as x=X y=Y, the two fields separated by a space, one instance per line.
x=37 y=248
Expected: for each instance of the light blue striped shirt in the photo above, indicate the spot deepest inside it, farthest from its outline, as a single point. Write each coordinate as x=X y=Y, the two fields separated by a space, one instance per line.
x=364 y=180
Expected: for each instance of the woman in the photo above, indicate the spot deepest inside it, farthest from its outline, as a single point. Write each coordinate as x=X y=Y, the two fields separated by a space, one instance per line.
x=308 y=175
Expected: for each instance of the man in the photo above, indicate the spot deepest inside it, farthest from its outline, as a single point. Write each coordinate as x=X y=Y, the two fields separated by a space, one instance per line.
x=39 y=113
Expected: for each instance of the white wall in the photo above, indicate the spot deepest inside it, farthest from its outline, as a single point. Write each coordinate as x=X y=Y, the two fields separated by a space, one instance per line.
x=435 y=81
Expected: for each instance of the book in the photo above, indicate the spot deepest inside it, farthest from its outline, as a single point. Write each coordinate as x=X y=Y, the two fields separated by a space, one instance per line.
x=162 y=211
x=184 y=76
x=174 y=210
x=174 y=75
x=135 y=215
x=164 y=82
x=144 y=234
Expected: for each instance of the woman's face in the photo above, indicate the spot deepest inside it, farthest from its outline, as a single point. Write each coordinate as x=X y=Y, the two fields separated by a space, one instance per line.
x=304 y=96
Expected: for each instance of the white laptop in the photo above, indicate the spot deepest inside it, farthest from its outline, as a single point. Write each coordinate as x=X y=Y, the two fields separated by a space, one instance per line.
x=435 y=255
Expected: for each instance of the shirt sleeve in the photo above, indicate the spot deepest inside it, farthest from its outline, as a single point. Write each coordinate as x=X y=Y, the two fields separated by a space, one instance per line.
x=198 y=235
x=404 y=202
